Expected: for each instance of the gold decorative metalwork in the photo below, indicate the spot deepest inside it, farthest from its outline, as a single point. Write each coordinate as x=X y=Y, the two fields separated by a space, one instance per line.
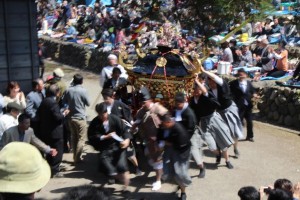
x=139 y=51
x=161 y=62
x=157 y=83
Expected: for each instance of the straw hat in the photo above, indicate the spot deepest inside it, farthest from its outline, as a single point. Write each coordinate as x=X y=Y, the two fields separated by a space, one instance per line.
x=22 y=169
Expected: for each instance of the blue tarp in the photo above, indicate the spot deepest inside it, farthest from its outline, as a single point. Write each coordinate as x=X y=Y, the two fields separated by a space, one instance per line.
x=106 y=2
x=273 y=78
x=283 y=12
x=277 y=13
x=90 y=3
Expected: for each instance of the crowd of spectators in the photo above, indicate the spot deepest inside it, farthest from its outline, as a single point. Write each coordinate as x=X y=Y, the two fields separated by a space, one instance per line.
x=52 y=117
x=127 y=25
x=282 y=189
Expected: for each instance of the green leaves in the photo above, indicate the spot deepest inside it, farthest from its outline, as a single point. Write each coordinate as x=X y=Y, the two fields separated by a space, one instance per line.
x=216 y=14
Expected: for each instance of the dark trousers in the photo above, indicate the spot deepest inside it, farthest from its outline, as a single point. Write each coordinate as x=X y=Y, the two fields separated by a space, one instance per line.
x=35 y=125
x=67 y=137
x=63 y=18
x=246 y=112
x=276 y=73
x=297 y=72
x=113 y=161
x=54 y=162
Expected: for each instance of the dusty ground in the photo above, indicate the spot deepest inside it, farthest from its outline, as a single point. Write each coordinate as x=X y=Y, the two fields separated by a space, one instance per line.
x=274 y=154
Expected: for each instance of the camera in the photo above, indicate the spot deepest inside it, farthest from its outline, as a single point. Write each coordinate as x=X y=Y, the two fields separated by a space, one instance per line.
x=267 y=190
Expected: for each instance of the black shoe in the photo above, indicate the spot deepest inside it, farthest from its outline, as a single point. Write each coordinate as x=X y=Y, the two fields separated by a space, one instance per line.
x=218 y=159
x=201 y=173
x=183 y=196
x=229 y=165
x=236 y=152
x=125 y=192
x=250 y=139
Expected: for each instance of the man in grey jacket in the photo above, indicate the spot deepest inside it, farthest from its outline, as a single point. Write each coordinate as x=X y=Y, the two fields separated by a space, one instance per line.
x=24 y=133
x=76 y=98
x=33 y=102
x=245 y=56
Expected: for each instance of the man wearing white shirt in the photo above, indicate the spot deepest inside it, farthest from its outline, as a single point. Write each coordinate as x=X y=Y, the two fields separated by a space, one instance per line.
x=242 y=92
x=10 y=119
x=187 y=118
x=107 y=71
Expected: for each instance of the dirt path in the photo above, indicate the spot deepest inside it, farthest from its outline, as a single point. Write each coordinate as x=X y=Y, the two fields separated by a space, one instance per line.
x=274 y=154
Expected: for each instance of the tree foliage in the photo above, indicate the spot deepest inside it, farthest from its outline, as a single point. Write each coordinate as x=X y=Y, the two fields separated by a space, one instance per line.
x=212 y=16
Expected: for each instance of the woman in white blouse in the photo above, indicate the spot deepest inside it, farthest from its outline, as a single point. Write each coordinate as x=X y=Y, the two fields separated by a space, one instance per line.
x=14 y=94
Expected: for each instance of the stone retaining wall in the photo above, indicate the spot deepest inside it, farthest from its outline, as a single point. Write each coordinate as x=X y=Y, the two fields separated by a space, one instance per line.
x=82 y=57
x=75 y=55
x=277 y=105
x=294 y=52
x=280 y=105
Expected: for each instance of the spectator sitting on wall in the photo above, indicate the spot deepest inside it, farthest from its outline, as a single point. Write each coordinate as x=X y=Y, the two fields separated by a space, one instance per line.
x=245 y=56
x=276 y=26
x=91 y=32
x=263 y=60
x=234 y=48
x=70 y=32
x=65 y=14
x=295 y=80
x=267 y=26
x=257 y=50
x=227 y=53
x=281 y=57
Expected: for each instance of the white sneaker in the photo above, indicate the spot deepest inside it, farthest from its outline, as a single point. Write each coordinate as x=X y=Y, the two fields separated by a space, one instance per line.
x=156 y=185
